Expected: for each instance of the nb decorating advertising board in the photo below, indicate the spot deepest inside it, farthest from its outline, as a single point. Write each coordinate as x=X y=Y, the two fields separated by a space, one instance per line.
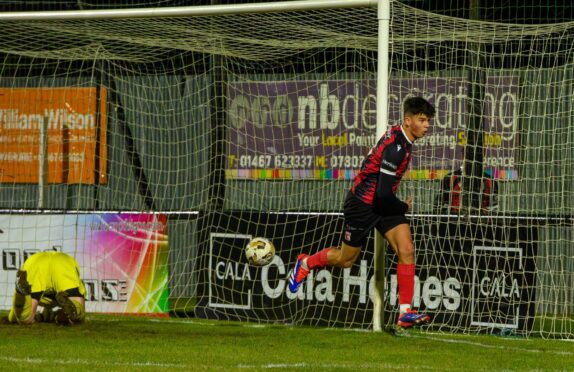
x=323 y=129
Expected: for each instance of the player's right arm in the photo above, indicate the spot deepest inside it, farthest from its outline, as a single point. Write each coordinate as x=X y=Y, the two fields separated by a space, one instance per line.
x=33 y=310
x=24 y=309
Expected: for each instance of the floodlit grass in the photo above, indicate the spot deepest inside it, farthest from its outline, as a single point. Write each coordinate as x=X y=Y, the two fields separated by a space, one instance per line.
x=125 y=343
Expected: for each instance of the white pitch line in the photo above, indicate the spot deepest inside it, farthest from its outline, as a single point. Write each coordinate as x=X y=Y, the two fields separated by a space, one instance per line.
x=177 y=321
x=492 y=346
x=90 y=362
x=380 y=366
x=278 y=365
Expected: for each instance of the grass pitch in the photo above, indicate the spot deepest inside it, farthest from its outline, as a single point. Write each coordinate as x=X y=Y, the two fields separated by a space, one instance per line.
x=125 y=343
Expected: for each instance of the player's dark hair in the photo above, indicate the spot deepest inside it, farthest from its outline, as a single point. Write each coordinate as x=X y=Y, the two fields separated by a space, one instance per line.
x=418 y=105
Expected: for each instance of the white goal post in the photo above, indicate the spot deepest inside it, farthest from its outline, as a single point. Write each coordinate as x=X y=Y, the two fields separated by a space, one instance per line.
x=183 y=132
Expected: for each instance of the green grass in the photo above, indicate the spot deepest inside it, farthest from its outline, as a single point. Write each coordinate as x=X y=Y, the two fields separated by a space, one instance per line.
x=126 y=343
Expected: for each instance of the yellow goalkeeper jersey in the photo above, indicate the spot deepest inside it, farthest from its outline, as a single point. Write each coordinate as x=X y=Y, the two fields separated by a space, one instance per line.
x=52 y=272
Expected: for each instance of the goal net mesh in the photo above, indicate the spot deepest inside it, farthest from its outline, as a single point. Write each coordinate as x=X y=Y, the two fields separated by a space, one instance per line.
x=242 y=125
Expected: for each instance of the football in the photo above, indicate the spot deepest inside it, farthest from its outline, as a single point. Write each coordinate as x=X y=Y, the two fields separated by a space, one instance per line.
x=259 y=251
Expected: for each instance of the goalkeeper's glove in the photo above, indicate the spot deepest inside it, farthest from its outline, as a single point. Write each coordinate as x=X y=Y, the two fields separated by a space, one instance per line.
x=22 y=285
x=68 y=313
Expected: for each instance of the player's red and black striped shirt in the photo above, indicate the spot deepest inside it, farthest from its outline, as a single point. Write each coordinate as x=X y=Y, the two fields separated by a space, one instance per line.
x=391 y=156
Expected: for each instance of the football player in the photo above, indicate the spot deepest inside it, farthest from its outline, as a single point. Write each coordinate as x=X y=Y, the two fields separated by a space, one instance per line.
x=372 y=204
x=50 y=280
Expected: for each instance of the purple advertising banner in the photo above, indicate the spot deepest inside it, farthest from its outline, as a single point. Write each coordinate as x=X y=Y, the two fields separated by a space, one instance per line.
x=323 y=129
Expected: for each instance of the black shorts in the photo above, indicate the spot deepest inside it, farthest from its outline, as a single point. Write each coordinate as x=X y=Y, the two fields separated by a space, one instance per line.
x=360 y=220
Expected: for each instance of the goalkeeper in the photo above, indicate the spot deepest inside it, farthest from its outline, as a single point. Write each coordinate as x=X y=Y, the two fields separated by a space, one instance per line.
x=372 y=203
x=50 y=280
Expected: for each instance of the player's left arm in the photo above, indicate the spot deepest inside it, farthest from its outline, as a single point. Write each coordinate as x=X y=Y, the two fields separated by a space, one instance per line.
x=386 y=202
x=72 y=308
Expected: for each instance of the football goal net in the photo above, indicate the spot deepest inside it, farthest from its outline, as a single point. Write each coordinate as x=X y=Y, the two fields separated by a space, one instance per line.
x=152 y=144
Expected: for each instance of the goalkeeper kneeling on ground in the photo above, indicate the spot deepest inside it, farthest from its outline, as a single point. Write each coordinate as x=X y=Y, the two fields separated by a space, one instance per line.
x=50 y=280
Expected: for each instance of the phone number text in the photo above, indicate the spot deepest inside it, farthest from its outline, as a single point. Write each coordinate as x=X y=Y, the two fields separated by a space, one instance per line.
x=295 y=161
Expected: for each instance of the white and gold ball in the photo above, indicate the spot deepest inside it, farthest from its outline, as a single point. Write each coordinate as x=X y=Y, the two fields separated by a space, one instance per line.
x=259 y=251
